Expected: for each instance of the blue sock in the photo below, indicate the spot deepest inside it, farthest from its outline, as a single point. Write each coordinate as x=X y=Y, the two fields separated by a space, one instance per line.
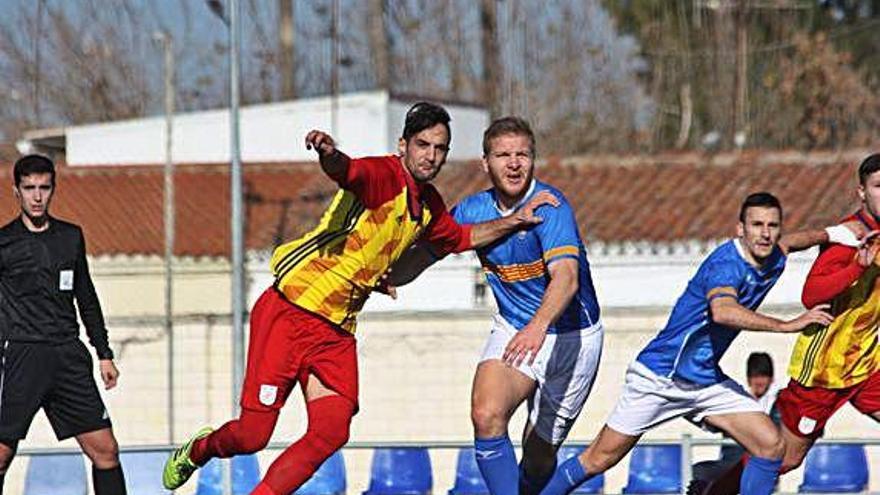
x=568 y=476
x=759 y=477
x=497 y=462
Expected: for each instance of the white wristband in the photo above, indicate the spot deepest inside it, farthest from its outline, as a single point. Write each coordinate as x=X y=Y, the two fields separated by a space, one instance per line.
x=839 y=234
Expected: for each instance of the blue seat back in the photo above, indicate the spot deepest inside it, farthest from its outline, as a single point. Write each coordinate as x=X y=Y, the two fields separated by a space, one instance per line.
x=143 y=472
x=654 y=469
x=329 y=479
x=400 y=471
x=468 y=479
x=835 y=468
x=594 y=485
x=58 y=474
x=245 y=476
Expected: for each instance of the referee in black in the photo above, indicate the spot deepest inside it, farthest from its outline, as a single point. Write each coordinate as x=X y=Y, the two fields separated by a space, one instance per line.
x=43 y=364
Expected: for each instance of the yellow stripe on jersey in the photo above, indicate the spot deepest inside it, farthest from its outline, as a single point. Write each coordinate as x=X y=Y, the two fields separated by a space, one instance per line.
x=560 y=251
x=721 y=291
x=845 y=353
x=517 y=272
x=331 y=270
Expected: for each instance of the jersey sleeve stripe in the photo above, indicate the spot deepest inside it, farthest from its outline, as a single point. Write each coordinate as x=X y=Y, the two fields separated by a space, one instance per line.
x=561 y=251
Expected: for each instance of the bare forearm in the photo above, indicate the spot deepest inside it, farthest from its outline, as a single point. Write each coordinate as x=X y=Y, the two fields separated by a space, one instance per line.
x=557 y=297
x=738 y=317
x=486 y=233
x=804 y=239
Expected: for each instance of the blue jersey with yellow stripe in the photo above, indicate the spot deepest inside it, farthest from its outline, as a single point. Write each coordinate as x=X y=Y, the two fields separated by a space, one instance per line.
x=691 y=345
x=516 y=266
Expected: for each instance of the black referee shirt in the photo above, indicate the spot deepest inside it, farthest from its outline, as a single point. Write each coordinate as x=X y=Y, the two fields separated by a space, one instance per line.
x=41 y=273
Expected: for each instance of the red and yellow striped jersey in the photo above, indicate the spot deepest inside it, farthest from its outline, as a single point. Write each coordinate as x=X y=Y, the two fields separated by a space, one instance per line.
x=377 y=214
x=845 y=353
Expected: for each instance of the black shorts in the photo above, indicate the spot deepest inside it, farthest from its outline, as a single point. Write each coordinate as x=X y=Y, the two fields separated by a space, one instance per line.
x=56 y=377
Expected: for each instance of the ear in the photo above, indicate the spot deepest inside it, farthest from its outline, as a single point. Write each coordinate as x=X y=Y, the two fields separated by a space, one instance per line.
x=485 y=163
x=861 y=191
x=401 y=146
x=16 y=193
x=740 y=229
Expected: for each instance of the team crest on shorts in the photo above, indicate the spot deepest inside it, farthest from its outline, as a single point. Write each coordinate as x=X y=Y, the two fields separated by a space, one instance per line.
x=806 y=425
x=268 y=394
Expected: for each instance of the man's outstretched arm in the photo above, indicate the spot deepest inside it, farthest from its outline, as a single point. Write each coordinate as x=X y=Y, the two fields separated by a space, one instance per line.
x=486 y=233
x=726 y=311
x=333 y=162
x=847 y=234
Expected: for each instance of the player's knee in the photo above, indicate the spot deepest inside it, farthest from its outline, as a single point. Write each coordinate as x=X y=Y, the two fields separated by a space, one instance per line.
x=251 y=440
x=330 y=422
x=598 y=461
x=772 y=447
x=488 y=422
x=104 y=454
x=791 y=462
x=332 y=439
x=253 y=431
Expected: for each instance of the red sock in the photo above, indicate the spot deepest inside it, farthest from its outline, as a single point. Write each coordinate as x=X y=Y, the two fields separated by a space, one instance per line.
x=329 y=422
x=264 y=489
x=245 y=435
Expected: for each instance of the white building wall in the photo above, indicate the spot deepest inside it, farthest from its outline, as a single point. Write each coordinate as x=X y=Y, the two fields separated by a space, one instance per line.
x=468 y=124
x=368 y=123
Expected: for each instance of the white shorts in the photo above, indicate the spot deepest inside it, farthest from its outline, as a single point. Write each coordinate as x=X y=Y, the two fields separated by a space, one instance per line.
x=564 y=369
x=648 y=400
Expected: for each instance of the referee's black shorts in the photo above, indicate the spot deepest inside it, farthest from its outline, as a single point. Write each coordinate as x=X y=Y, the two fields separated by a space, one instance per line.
x=56 y=377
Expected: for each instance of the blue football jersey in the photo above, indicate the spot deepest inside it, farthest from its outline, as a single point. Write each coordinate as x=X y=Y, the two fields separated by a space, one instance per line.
x=516 y=265
x=691 y=345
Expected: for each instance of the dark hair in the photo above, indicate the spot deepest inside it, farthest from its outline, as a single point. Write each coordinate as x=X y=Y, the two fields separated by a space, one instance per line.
x=424 y=115
x=508 y=125
x=762 y=199
x=869 y=166
x=759 y=364
x=30 y=165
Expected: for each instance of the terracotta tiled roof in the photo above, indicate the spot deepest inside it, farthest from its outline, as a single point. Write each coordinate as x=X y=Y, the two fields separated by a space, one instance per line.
x=657 y=199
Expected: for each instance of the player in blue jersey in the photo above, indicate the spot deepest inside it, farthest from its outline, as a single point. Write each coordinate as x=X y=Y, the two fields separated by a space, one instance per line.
x=678 y=373
x=546 y=339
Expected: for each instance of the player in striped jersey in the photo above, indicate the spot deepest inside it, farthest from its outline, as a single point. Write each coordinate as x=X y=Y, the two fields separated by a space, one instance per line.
x=840 y=362
x=302 y=327
x=546 y=339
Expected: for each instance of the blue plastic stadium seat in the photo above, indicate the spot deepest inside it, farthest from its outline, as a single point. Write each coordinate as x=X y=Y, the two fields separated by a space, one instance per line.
x=835 y=468
x=143 y=472
x=245 y=476
x=328 y=480
x=58 y=474
x=400 y=471
x=593 y=485
x=654 y=469
x=468 y=479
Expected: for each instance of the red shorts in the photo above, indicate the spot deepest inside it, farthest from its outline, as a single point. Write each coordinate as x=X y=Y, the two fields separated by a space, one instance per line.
x=805 y=410
x=287 y=344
